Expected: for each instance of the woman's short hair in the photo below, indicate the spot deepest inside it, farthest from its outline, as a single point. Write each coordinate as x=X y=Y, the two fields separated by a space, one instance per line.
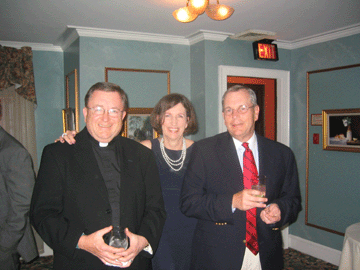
x=166 y=103
x=107 y=87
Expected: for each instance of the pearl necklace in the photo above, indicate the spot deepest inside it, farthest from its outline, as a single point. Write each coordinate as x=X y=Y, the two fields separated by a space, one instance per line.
x=171 y=162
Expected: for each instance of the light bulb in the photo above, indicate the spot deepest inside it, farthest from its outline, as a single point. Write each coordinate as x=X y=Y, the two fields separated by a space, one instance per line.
x=219 y=12
x=184 y=15
x=198 y=6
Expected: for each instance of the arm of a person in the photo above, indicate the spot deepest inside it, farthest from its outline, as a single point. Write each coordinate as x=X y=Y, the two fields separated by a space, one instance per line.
x=196 y=199
x=20 y=182
x=289 y=201
x=68 y=136
x=47 y=215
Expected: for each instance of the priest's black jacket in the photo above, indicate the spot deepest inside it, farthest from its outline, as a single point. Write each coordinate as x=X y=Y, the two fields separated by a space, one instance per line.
x=70 y=198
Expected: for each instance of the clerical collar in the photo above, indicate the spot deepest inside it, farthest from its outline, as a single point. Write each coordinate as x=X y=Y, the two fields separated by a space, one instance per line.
x=103 y=144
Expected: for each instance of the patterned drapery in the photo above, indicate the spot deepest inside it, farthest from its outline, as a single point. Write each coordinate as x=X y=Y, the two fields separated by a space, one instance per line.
x=16 y=68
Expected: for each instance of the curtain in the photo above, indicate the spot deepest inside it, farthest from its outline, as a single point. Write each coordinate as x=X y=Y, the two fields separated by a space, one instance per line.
x=16 y=68
x=18 y=119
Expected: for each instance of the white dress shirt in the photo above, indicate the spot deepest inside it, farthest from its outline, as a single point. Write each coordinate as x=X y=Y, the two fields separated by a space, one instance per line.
x=250 y=261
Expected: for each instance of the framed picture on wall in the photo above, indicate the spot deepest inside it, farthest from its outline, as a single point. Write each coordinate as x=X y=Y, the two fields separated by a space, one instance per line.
x=137 y=125
x=341 y=130
x=316 y=119
x=72 y=98
x=68 y=116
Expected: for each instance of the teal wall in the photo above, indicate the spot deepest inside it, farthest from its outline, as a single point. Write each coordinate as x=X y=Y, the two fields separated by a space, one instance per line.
x=71 y=58
x=49 y=85
x=194 y=73
x=98 y=53
x=197 y=64
x=205 y=84
x=336 y=53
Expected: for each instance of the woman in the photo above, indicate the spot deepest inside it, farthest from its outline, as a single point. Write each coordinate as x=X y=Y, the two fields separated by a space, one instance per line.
x=173 y=117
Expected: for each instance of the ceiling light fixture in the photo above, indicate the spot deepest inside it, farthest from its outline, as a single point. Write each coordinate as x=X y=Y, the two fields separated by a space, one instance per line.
x=197 y=7
x=184 y=14
x=219 y=12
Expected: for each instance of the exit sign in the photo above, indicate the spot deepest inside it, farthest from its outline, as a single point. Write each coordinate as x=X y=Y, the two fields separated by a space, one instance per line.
x=264 y=50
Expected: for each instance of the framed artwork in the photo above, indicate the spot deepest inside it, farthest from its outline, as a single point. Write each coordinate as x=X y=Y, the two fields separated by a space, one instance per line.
x=143 y=87
x=341 y=130
x=72 y=99
x=137 y=125
x=68 y=118
x=316 y=120
x=333 y=92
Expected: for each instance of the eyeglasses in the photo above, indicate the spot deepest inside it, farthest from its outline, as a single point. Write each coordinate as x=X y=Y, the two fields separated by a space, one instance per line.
x=98 y=110
x=241 y=110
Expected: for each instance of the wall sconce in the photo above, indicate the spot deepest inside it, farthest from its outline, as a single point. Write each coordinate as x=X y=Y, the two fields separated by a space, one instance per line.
x=197 y=7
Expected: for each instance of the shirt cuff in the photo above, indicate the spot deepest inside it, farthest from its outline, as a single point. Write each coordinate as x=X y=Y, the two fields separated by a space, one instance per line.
x=77 y=245
x=148 y=249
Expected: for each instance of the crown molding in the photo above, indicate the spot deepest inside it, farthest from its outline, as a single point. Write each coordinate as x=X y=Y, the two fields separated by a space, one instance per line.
x=74 y=32
x=207 y=35
x=128 y=35
x=34 y=46
x=67 y=38
x=323 y=37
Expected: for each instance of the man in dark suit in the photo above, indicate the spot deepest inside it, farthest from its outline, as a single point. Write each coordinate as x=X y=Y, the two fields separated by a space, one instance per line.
x=104 y=179
x=17 y=180
x=213 y=192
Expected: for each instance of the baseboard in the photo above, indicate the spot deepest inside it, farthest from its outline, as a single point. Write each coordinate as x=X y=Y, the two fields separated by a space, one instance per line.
x=314 y=249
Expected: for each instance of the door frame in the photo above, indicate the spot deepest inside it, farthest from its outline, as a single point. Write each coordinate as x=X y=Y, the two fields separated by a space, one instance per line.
x=283 y=104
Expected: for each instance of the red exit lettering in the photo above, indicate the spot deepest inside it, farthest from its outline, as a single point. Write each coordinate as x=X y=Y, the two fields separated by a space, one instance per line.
x=267 y=51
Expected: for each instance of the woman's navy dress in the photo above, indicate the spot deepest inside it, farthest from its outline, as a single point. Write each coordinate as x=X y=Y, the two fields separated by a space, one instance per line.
x=175 y=244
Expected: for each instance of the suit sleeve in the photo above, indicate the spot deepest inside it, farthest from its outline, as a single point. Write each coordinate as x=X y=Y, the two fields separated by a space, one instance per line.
x=47 y=216
x=154 y=215
x=289 y=200
x=20 y=179
x=201 y=199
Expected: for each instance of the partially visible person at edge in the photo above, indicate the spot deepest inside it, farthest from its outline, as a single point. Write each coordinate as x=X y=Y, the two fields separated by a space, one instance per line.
x=173 y=117
x=214 y=192
x=103 y=180
x=17 y=179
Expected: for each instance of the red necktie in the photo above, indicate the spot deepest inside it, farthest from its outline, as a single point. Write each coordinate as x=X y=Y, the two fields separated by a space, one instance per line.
x=250 y=177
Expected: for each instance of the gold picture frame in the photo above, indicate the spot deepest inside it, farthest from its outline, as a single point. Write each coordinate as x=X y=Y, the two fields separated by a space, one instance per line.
x=72 y=102
x=68 y=118
x=137 y=125
x=139 y=72
x=341 y=130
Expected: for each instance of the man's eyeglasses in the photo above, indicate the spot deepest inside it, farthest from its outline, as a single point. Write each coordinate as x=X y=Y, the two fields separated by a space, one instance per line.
x=98 y=110
x=242 y=109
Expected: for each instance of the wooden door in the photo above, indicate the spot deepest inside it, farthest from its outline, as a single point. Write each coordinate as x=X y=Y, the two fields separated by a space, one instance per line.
x=265 y=90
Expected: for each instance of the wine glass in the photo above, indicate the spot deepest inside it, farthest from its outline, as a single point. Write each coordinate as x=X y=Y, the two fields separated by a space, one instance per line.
x=118 y=238
x=260 y=186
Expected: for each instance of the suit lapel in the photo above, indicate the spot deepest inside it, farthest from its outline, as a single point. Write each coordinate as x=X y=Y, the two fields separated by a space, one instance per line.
x=264 y=158
x=229 y=159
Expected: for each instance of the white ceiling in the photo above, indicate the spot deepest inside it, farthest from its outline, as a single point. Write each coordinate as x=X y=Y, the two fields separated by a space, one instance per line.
x=44 y=21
